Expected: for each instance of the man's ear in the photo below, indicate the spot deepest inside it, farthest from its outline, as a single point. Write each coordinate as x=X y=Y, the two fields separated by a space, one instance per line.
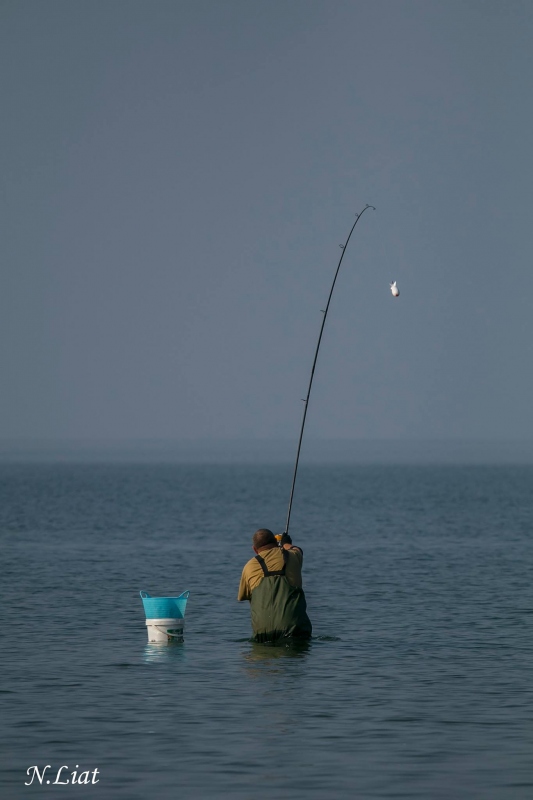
x=253 y=548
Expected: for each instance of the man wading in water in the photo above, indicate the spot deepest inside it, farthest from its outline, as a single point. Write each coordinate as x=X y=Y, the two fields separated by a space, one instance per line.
x=272 y=582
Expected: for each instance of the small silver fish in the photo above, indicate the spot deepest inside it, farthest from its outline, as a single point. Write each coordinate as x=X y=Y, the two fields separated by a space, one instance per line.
x=394 y=289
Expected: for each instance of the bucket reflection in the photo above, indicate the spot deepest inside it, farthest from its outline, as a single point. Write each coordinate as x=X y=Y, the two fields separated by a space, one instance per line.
x=164 y=652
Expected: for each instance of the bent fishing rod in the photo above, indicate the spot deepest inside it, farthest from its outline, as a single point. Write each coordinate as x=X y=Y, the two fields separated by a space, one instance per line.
x=306 y=399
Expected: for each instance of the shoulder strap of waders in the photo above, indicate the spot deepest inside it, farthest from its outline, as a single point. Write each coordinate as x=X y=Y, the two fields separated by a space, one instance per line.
x=266 y=571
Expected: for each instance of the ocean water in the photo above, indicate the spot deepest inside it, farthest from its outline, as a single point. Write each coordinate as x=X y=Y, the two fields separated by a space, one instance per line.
x=417 y=683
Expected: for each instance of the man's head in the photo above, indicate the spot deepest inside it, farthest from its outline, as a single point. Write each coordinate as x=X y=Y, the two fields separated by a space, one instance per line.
x=263 y=539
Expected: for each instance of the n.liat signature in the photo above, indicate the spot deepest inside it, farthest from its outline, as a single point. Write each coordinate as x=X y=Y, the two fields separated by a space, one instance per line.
x=81 y=778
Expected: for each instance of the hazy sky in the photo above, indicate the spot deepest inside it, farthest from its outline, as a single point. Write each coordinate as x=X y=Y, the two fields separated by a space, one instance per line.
x=177 y=177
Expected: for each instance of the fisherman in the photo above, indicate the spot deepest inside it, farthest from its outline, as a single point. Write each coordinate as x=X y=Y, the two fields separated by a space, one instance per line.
x=272 y=582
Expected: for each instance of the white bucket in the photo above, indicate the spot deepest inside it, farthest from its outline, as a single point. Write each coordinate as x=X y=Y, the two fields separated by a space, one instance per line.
x=165 y=630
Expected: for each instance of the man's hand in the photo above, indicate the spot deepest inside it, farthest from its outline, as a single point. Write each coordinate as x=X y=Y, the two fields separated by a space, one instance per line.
x=285 y=539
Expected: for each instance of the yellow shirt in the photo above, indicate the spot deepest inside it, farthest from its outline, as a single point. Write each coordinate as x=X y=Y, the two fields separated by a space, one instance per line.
x=252 y=574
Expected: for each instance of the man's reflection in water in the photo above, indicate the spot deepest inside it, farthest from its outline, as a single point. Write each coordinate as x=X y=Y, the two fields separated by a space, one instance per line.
x=275 y=658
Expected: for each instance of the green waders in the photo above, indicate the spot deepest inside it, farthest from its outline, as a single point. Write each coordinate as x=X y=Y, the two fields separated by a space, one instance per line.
x=278 y=609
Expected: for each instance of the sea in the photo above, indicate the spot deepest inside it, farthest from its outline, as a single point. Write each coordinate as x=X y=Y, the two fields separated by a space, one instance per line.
x=417 y=683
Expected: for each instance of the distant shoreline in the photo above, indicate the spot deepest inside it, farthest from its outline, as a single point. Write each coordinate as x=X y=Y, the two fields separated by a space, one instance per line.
x=256 y=451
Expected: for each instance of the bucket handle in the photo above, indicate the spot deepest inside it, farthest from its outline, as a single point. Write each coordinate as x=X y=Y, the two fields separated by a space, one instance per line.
x=182 y=596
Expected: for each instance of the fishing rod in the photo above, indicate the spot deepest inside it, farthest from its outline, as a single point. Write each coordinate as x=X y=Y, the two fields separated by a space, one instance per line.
x=306 y=399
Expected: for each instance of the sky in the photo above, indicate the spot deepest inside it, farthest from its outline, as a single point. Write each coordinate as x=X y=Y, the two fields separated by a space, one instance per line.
x=178 y=176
